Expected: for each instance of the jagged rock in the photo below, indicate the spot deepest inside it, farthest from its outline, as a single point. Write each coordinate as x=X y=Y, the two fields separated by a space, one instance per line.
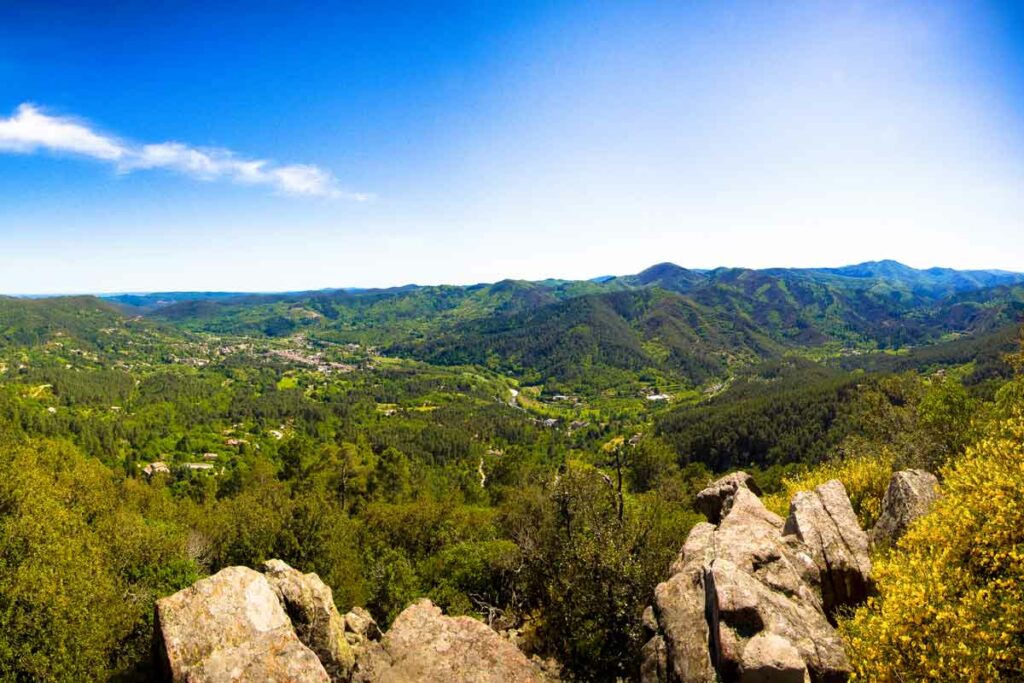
x=750 y=536
x=679 y=610
x=309 y=604
x=231 y=627
x=649 y=622
x=654 y=668
x=363 y=635
x=424 y=645
x=744 y=599
x=824 y=520
x=282 y=625
x=744 y=607
x=911 y=494
x=360 y=623
x=680 y=606
x=372 y=662
x=361 y=632
x=769 y=658
x=715 y=500
x=699 y=547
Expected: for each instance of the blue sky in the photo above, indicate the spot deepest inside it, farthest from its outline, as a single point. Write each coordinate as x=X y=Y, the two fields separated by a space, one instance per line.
x=272 y=146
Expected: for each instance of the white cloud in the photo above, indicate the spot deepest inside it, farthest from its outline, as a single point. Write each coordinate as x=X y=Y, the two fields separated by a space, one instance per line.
x=30 y=130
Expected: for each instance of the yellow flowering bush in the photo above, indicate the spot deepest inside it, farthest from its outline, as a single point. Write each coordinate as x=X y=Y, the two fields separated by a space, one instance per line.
x=950 y=603
x=865 y=477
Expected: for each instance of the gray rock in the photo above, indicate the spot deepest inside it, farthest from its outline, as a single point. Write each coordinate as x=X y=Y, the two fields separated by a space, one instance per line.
x=363 y=635
x=681 y=610
x=654 y=667
x=360 y=623
x=231 y=627
x=744 y=600
x=372 y=661
x=911 y=494
x=715 y=500
x=309 y=604
x=699 y=547
x=824 y=520
x=743 y=607
x=424 y=645
x=768 y=658
x=750 y=537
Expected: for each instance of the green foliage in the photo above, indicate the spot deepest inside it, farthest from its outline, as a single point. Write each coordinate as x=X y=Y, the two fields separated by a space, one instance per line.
x=950 y=602
x=395 y=479
x=945 y=414
x=392 y=477
x=589 y=574
x=79 y=566
x=649 y=462
x=788 y=414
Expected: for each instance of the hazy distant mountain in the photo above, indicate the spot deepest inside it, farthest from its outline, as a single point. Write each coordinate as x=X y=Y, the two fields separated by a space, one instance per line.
x=666 y=320
x=929 y=282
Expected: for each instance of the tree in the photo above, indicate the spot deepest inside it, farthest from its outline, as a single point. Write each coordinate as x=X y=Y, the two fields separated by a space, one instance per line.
x=589 y=573
x=650 y=461
x=392 y=476
x=945 y=414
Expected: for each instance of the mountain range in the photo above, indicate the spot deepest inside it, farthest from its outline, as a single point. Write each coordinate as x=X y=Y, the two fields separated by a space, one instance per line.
x=666 y=323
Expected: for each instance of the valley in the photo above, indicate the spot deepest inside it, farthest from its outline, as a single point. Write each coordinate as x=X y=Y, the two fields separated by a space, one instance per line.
x=526 y=453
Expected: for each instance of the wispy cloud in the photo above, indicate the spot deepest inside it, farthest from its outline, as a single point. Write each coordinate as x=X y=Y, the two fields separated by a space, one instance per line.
x=31 y=130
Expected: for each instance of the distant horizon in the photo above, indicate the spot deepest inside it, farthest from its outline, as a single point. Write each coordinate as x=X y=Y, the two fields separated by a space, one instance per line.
x=357 y=288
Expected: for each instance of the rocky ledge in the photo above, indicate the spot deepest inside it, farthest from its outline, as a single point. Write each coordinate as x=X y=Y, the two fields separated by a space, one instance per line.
x=282 y=625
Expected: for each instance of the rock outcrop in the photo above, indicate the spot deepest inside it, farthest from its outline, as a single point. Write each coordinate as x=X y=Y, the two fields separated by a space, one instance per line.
x=825 y=521
x=715 y=500
x=309 y=604
x=231 y=627
x=425 y=645
x=744 y=601
x=282 y=625
x=911 y=494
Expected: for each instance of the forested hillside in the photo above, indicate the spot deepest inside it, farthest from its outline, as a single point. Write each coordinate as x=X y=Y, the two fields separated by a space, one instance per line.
x=672 y=324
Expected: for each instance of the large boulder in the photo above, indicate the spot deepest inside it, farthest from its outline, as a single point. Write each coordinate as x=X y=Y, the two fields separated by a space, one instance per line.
x=309 y=604
x=826 y=523
x=231 y=627
x=744 y=599
x=911 y=494
x=424 y=645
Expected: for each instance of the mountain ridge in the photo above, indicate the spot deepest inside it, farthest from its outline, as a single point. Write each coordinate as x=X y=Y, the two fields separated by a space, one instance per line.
x=877 y=268
x=666 y=324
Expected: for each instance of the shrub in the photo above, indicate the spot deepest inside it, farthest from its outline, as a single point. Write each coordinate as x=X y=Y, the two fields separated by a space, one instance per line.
x=951 y=594
x=865 y=477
